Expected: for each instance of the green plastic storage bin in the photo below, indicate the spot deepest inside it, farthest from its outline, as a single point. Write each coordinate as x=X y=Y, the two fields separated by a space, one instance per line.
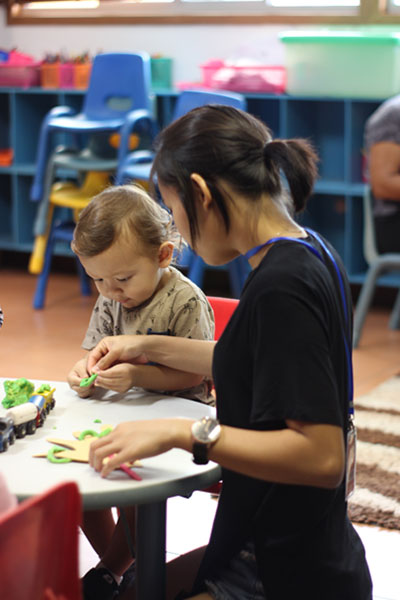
x=161 y=72
x=342 y=64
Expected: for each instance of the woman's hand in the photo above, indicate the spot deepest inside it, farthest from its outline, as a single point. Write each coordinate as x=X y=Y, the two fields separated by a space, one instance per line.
x=116 y=349
x=119 y=378
x=138 y=439
x=78 y=372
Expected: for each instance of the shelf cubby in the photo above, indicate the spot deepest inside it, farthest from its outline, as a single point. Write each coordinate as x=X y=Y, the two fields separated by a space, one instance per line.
x=334 y=126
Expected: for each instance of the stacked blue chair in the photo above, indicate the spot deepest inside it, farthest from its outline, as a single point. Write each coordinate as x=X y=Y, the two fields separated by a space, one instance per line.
x=118 y=101
x=137 y=166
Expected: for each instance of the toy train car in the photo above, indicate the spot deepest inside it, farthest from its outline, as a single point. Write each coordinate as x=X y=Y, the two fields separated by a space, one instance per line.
x=7 y=433
x=24 y=419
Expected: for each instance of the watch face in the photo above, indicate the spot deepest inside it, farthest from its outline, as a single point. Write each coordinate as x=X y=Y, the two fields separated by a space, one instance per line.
x=206 y=430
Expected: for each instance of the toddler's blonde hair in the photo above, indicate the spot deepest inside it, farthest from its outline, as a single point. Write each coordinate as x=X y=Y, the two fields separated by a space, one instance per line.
x=122 y=212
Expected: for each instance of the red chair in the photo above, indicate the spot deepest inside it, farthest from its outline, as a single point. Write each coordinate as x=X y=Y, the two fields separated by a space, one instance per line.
x=39 y=547
x=223 y=310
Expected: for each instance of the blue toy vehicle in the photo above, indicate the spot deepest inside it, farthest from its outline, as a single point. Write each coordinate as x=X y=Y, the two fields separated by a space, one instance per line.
x=40 y=402
x=7 y=434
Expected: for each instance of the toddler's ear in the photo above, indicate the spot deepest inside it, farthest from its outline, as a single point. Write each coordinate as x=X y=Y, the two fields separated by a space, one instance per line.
x=165 y=254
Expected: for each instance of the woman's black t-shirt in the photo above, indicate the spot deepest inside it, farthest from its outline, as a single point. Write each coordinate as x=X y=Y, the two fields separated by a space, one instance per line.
x=282 y=356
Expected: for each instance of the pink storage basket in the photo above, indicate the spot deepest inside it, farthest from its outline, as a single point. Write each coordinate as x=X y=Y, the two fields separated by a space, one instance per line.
x=24 y=76
x=66 y=75
x=209 y=69
x=245 y=78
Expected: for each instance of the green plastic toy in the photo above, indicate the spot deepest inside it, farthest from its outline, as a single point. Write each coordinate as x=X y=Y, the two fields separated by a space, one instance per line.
x=45 y=387
x=18 y=391
x=86 y=381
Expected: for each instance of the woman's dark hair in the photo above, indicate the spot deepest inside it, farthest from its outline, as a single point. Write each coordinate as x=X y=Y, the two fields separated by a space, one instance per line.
x=222 y=143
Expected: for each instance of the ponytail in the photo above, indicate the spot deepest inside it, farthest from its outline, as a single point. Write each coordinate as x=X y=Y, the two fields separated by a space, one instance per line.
x=224 y=144
x=298 y=162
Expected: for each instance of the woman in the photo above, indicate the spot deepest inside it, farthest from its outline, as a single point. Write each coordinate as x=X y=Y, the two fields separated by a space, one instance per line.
x=382 y=149
x=282 y=368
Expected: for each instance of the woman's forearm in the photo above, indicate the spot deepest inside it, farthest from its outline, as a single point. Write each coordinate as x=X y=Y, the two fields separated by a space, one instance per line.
x=302 y=454
x=184 y=354
x=157 y=377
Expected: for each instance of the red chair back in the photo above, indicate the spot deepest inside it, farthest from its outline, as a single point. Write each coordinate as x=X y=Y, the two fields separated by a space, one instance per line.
x=223 y=310
x=39 y=547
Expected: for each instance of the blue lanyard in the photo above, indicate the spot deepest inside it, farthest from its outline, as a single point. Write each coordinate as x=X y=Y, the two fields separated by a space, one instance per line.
x=253 y=251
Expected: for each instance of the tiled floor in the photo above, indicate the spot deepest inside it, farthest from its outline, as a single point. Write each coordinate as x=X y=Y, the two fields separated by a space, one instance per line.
x=45 y=344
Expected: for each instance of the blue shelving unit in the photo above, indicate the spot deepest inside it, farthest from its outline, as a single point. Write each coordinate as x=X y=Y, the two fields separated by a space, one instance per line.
x=334 y=126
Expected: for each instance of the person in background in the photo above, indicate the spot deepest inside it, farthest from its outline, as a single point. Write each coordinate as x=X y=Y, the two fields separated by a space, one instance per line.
x=282 y=371
x=382 y=148
x=125 y=242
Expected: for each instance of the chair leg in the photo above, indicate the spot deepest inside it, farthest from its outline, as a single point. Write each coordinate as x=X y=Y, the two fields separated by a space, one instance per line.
x=364 y=300
x=40 y=244
x=394 y=321
x=86 y=288
x=41 y=285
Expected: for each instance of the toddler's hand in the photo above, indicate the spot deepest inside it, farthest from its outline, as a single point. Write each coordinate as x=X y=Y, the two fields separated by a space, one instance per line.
x=119 y=378
x=75 y=376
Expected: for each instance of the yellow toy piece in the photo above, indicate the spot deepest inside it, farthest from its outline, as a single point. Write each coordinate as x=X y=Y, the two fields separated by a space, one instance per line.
x=76 y=450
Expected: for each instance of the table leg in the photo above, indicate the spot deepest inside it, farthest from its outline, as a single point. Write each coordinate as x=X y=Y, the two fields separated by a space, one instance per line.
x=150 y=551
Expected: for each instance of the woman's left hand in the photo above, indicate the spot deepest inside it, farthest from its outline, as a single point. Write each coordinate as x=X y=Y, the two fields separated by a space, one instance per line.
x=134 y=440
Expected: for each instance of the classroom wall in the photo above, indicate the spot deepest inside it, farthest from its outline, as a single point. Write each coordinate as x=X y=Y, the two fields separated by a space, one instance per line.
x=188 y=45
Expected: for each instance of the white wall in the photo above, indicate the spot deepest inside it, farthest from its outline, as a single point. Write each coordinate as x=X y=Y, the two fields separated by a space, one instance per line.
x=188 y=45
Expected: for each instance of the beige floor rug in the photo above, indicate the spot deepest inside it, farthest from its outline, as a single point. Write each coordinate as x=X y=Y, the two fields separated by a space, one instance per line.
x=376 y=499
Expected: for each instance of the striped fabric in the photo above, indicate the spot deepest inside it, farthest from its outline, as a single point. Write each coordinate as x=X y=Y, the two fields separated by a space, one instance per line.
x=376 y=500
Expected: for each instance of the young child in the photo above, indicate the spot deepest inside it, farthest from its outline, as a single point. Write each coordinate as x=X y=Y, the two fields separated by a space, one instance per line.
x=125 y=242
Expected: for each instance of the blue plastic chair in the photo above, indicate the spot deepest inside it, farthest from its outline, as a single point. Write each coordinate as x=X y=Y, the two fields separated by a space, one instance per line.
x=117 y=100
x=62 y=232
x=137 y=166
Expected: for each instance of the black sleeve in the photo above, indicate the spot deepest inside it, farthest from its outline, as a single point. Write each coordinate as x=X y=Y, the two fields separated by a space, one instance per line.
x=294 y=375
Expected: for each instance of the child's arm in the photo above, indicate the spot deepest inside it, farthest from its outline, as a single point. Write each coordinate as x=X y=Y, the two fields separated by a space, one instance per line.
x=75 y=376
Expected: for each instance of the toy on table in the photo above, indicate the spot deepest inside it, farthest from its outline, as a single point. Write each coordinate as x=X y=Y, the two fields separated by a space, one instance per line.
x=7 y=434
x=26 y=418
x=26 y=410
x=87 y=381
x=17 y=392
x=78 y=449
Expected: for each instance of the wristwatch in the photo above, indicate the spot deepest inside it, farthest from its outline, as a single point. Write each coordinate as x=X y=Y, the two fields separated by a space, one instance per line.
x=205 y=433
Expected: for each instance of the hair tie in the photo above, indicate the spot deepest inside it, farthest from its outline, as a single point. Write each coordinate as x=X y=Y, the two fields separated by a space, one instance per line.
x=266 y=152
